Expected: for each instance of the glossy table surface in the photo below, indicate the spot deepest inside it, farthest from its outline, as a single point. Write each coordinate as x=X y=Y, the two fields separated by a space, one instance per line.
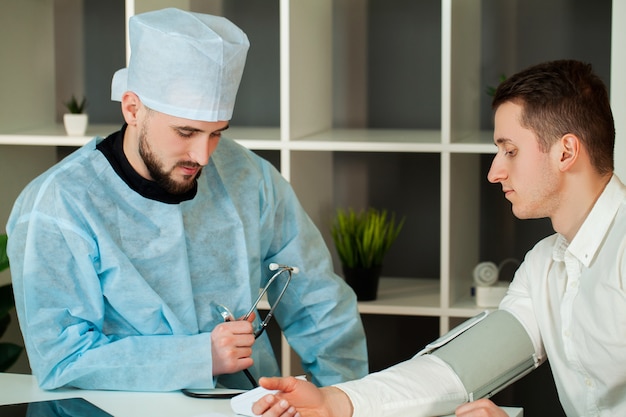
x=18 y=388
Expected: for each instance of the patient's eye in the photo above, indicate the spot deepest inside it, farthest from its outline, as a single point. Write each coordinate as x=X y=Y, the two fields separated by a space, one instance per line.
x=510 y=151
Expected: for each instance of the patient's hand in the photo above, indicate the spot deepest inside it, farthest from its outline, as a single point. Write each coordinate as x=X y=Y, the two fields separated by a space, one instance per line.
x=301 y=398
x=480 y=408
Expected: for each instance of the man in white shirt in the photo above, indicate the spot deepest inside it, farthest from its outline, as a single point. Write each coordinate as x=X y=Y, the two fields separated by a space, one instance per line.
x=555 y=136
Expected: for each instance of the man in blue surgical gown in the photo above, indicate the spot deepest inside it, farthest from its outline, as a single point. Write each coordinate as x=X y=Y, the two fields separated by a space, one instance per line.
x=122 y=252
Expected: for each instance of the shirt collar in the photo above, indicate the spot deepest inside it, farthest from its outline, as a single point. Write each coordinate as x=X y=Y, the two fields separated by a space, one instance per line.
x=592 y=232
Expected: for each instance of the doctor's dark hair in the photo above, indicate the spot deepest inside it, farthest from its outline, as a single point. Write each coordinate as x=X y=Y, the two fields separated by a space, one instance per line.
x=561 y=97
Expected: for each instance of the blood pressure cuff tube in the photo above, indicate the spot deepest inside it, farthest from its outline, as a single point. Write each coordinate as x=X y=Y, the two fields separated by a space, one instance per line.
x=489 y=355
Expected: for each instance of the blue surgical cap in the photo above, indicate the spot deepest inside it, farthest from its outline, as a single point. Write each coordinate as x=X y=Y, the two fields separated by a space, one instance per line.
x=184 y=64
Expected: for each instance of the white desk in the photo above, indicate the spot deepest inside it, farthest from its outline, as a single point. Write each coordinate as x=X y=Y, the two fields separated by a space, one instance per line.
x=15 y=388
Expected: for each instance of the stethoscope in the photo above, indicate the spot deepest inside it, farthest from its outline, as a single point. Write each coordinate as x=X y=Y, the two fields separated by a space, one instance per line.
x=227 y=315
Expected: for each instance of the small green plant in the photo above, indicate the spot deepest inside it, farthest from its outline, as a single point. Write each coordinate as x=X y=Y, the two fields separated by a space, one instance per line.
x=74 y=106
x=9 y=352
x=362 y=239
x=490 y=90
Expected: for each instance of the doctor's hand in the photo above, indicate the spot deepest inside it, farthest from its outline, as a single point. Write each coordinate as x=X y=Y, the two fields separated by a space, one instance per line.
x=231 y=346
x=300 y=398
x=480 y=408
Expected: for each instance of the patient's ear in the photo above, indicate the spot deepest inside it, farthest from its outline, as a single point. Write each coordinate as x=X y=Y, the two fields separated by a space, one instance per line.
x=569 y=151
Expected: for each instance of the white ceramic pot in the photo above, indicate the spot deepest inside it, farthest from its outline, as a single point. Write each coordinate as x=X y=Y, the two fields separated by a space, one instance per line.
x=75 y=124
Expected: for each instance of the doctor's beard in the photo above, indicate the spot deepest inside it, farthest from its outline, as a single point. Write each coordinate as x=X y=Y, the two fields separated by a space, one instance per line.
x=159 y=174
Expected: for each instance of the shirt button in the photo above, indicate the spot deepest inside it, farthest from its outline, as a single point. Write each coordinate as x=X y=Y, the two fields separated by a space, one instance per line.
x=589 y=382
x=567 y=333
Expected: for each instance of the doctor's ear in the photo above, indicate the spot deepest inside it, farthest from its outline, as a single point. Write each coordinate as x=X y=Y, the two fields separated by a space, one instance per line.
x=130 y=107
x=569 y=148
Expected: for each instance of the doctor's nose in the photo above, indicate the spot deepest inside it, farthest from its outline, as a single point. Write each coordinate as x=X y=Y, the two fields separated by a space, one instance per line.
x=202 y=149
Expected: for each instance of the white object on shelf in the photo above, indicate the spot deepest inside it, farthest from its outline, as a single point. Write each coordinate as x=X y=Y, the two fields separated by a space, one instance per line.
x=75 y=124
x=490 y=296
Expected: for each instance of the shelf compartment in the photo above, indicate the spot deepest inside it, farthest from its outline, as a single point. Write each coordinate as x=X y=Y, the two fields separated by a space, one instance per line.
x=400 y=297
x=405 y=297
x=371 y=140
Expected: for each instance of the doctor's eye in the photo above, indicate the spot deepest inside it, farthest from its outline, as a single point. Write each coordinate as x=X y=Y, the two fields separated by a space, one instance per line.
x=184 y=133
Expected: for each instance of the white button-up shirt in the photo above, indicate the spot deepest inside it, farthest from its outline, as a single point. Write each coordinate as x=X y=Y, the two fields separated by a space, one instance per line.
x=571 y=299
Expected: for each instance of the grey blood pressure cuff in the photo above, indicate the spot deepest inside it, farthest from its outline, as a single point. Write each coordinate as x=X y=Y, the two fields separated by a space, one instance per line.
x=488 y=352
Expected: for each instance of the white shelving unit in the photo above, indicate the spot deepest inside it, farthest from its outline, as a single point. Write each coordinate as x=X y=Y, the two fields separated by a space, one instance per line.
x=305 y=138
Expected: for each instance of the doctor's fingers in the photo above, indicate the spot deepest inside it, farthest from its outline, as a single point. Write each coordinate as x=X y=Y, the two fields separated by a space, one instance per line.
x=228 y=361
x=237 y=327
x=250 y=318
x=230 y=367
x=233 y=334
x=228 y=358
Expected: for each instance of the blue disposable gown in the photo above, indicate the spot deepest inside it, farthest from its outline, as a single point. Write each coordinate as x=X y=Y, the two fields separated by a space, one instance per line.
x=117 y=291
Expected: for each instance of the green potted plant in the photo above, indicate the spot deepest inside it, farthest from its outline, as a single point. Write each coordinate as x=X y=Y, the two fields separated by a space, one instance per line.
x=362 y=239
x=9 y=352
x=75 y=120
x=491 y=90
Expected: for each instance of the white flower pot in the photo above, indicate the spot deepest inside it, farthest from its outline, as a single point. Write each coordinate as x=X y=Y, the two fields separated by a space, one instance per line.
x=75 y=124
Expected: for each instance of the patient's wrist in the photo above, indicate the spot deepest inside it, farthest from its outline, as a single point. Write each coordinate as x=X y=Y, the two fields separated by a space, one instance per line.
x=337 y=402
